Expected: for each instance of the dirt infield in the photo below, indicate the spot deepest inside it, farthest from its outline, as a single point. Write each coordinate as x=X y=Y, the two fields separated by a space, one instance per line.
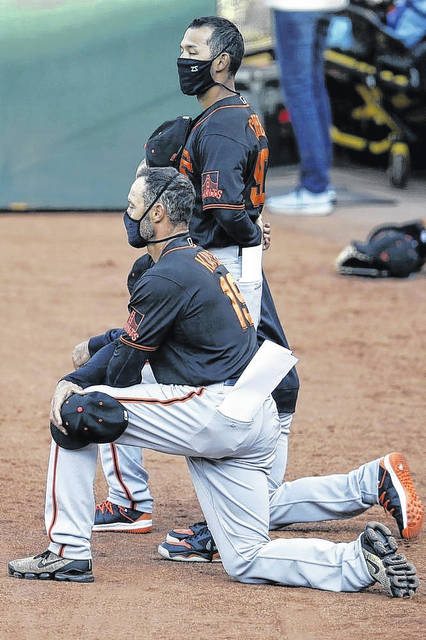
x=361 y=345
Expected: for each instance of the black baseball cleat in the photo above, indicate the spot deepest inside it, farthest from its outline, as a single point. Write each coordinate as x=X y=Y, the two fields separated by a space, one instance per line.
x=50 y=566
x=391 y=570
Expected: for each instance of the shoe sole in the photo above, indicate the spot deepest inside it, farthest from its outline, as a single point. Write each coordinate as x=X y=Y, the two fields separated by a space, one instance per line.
x=181 y=558
x=411 y=505
x=59 y=577
x=133 y=527
x=396 y=575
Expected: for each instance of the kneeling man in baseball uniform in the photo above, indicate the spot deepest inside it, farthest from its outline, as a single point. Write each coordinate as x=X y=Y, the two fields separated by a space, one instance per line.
x=189 y=318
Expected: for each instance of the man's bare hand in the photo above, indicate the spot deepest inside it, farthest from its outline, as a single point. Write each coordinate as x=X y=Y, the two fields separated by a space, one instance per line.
x=266 y=235
x=64 y=389
x=80 y=354
x=266 y=232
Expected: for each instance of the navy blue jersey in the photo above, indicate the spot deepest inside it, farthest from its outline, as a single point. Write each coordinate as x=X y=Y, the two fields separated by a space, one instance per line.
x=226 y=159
x=187 y=317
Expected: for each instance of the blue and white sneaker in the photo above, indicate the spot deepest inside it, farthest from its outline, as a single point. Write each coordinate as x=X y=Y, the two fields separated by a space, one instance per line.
x=199 y=547
x=115 y=518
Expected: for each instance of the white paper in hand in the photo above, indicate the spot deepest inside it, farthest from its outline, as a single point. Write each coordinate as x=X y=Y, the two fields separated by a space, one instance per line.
x=269 y=365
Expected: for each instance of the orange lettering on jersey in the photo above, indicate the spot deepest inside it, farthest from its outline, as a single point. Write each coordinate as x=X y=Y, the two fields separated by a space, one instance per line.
x=210 y=185
x=257 y=193
x=185 y=163
x=239 y=306
x=208 y=260
x=256 y=126
x=133 y=323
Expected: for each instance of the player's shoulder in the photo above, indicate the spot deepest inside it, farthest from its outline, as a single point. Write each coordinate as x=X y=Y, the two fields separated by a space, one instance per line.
x=225 y=117
x=174 y=265
x=140 y=266
x=187 y=265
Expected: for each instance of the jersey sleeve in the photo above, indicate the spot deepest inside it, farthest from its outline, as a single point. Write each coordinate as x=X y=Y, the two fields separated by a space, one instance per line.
x=97 y=342
x=222 y=164
x=223 y=168
x=153 y=307
x=94 y=370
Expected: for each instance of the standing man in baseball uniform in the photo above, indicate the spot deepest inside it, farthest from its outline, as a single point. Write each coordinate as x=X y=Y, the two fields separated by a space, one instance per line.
x=188 y=317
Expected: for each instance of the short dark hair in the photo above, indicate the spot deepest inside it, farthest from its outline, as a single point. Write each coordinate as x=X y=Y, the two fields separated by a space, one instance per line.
x=178 y=198
x=225 y=37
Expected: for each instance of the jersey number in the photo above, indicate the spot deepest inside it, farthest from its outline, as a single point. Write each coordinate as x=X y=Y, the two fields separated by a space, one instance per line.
x=257 y=193
x=239 y=306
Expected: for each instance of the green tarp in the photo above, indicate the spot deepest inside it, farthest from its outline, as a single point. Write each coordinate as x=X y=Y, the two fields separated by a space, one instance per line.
x=82 y=85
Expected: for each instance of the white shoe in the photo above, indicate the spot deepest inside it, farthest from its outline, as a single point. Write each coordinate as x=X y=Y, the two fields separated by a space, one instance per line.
x=302 y=202
x=332 y=194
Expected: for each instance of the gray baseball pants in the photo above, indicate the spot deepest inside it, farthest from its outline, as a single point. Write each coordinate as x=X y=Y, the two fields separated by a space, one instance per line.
x=229 y=462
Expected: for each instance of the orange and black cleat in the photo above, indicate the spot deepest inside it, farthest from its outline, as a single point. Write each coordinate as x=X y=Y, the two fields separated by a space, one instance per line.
x=398 y=496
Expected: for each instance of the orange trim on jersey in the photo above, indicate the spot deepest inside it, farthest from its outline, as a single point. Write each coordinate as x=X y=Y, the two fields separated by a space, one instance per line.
x=137 y=346
x=54 y=502
x=234 y=207
x=118 y=475
x=178 y=249
x=167 y=402
x=229 y=106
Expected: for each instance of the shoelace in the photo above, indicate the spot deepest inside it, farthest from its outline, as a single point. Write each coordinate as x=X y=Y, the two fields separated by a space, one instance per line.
x=106 y=505
x=202 y=536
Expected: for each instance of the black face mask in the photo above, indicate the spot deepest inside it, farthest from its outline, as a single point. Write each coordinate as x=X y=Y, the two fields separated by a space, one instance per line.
x=134 y=237
x=133 y=227
x=195 y=76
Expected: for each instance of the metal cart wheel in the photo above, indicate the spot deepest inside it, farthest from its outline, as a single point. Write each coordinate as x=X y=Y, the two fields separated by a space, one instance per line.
x=399 y=165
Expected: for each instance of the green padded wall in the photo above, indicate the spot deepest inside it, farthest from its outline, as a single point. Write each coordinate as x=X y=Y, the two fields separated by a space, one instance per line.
x=82 y=85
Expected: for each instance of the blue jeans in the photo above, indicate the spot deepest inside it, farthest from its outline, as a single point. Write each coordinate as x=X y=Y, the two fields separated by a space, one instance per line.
x=300 y=43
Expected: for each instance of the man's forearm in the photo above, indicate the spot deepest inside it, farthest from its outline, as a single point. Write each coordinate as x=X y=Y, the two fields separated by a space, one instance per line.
x=94 y=370
x=239 y=226
x=97 y=342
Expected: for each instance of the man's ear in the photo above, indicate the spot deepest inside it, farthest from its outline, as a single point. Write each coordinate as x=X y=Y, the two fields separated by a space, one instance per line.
x=158 y=212
x=222 y=62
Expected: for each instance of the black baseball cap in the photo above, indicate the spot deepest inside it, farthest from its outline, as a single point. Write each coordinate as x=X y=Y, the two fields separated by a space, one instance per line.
x=93 y=417
x=166 y=143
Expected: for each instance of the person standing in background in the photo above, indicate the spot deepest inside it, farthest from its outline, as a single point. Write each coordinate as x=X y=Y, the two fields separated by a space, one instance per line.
x=300 y=35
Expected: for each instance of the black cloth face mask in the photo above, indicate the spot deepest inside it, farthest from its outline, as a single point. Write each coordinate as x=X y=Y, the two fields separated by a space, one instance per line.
x=195 y=76
x=133 y=227
x=134 y=237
